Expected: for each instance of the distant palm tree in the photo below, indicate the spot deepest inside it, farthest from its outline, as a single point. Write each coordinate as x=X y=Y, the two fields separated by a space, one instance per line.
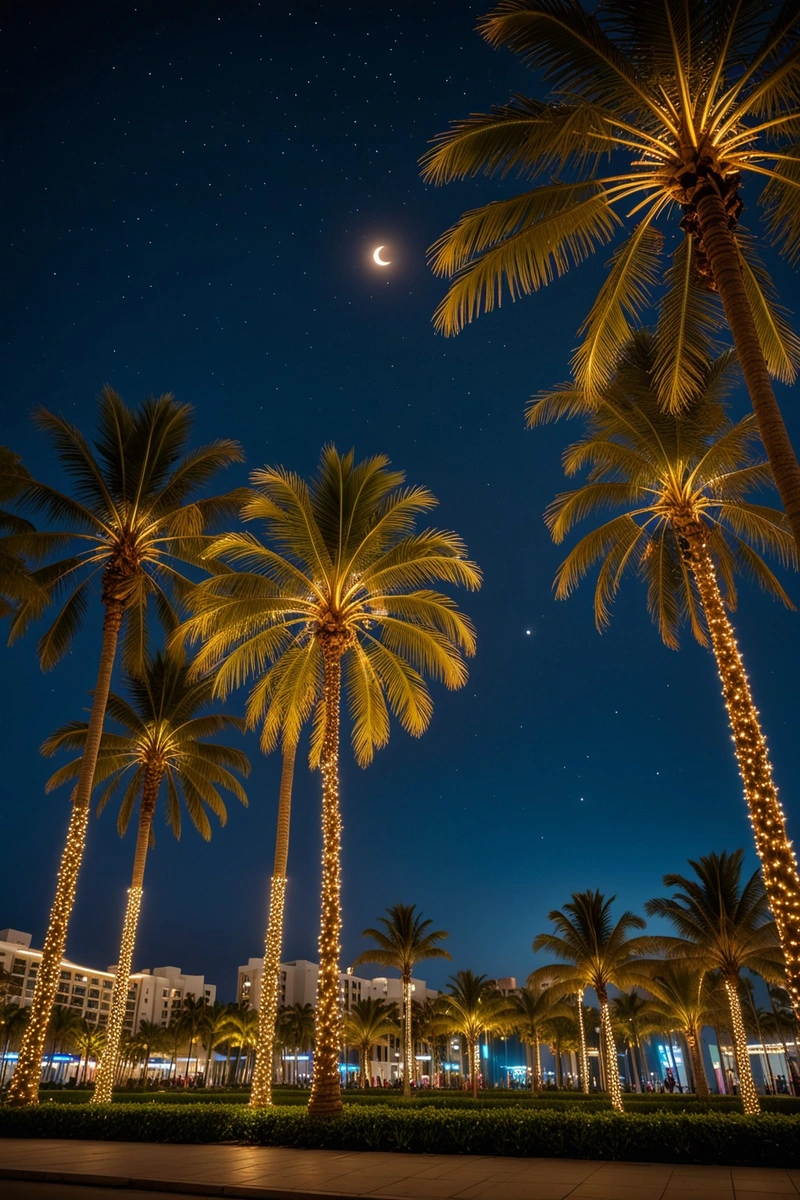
x=341 y=600
x=163 y=742
x=562 y=1036
x=473 y=1006
x=369 y=1021
x=634 y=1018
x=659 y=110
x=215 y=1028
x=63 y=1028
x=681 y=520
x=13 y=1019
x=688 y=997
x=191 y=1016
x=431 y=1027
x=531 y=1008
x=404 y=940
x=723 y=925
x=594 y=952
x=244 y=1036
x=148 y=1038
x=136 y=520
x=89 y=1042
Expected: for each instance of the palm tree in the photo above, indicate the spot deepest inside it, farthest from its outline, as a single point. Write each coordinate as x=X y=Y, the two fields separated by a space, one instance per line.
x=13 y=1019
x=368 y=1022
x=149 y=1036
x=679 y=485
x=687 y=997
x=62 y=1029
x=161 y=744
x=531 y=1008
x=89 y=1042
x=243 y=1033
x=17 y=586
x=473 y=1006
x=595 y=953
x=662 y=111
x=215 y=1029
x=342 y=598
x=634 y=1018
x=723 y=925
x=563 y=1036
x=191 y=1017
x=431 y=1028
x=403 y=941
x=136 y=519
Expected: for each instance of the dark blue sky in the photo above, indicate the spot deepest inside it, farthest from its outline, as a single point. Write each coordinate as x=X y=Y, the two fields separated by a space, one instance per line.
x=193 y=193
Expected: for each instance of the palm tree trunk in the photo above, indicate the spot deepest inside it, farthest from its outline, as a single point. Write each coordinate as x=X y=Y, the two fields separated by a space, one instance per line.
x=261 y=1095
x=778 y=860
x=326 y=1092
x=747 y=1088
x=723 y=257
x=698 y=1069
x=24 y=1086
x=607 y=1037
x=584 y=1057
x=106 y=1071
x=473 y=1048
x=408 y=1048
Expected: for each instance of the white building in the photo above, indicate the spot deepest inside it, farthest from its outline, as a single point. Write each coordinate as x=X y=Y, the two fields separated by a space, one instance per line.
x=152 y=995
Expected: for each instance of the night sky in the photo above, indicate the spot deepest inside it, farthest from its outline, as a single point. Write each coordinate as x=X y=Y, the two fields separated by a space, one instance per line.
x=193 y=195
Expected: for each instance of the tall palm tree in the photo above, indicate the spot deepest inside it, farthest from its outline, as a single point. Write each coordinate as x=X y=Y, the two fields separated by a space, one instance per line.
x=369 y=1021
x=340 y=597
x=596 y=952
x=135 y=518
x=404 y=940
x=473 y=1006
x=677 y=488
x=162 y=745
x=664 y=111
x=723 y=925
x=531 y=1008
x=688 y=997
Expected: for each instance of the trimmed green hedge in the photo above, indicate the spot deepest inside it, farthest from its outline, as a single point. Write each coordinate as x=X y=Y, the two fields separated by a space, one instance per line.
x=768 y=1140
x=561 y=1101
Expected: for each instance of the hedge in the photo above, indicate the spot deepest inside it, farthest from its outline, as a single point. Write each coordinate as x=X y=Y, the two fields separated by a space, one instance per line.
x=768 y=1140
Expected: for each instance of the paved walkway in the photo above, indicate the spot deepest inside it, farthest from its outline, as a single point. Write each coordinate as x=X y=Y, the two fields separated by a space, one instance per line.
x=278 y=1174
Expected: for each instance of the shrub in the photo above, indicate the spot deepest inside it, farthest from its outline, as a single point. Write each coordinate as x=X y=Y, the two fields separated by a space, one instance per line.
x=771 y=1139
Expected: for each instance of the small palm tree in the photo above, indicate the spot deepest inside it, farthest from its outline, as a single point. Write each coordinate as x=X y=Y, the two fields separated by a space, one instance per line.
x=663 y=111
x=89 y=1042
x=340 y=597
x=404 y=940
x=531 y=1007
x=597 y=953
x=243 y=1033
x=150 y=1037
x=369 y=1022
x=163 y=745
x=431 y=1027
x=562 y=1036
x=473 y=1007
x=688 y=997
x=191 y=1017
x=634 y=1018
x=215 y=1028
x=136 y=520
x=723 y=925
x=683 y=522
x=13 y=1019
x=63 y=1028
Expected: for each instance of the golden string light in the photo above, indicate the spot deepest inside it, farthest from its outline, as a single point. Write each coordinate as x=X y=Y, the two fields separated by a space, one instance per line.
x=24 y=1086
x=747 y=1088
x=326 y=1095
x=612 y=1067
x=408 y=1048
x=106 y=1072
x=778 y=859
x=584 y=1057
x=261 y=1091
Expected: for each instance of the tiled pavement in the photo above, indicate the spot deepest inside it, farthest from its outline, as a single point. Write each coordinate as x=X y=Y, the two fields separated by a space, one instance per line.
x=278 y=1174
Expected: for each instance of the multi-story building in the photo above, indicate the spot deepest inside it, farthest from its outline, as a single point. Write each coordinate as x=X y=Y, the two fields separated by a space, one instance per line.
x=152 y=995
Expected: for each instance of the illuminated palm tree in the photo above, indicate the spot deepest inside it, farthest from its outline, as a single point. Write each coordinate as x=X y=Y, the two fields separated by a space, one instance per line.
x=135 y=519
x=404 y=940
x=531 y=1008
x=723 y=925
x=472 y=1007
x=683 y=522
x=340 y=597
x=370 y=1021
x=596 y=953
x=661 y=111
x=163 y=744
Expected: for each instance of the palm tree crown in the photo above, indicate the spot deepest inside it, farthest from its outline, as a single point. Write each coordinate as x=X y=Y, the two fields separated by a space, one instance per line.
x=658 y=110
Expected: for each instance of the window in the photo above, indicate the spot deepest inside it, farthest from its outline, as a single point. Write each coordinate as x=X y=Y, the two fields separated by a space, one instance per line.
x=165 y=992
x=66 y=975
x=92 y=1003
x=94 y=993
x=107 y=984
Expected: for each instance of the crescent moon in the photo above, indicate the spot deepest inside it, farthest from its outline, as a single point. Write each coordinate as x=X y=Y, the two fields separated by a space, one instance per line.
x=376 y=257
